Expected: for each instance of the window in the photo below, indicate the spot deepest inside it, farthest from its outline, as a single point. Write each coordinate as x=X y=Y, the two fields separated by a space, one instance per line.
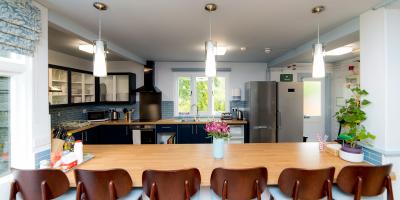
x=4 y=125
x=208 y=94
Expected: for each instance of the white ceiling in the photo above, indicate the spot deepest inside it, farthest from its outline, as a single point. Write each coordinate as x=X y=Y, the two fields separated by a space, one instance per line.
x=175 y=30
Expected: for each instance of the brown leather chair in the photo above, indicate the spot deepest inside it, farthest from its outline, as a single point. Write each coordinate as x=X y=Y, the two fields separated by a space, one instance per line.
x=304 y=184
x=103 y=184
x=363 y=181
x=239 y=184
x=41 y=184
x=174 y=184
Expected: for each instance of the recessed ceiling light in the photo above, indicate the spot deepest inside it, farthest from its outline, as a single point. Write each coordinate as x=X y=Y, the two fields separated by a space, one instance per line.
x=221 y=51
x=243 y=48
x=88 y=48
x=318 y=9
x=339 y=51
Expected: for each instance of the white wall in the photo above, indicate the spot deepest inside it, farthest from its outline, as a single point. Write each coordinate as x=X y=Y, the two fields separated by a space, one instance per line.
x=240 y=73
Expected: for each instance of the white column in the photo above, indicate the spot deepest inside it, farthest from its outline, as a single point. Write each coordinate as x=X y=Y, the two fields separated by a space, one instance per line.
x=380 y=70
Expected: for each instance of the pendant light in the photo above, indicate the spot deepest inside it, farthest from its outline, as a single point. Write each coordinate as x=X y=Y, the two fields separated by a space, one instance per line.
x=210 y=46
x=99 y=59
x=318 y=51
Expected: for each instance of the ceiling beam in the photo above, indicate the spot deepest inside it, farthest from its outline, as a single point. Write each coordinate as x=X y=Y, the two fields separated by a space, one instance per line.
x=349 y=28
x=79 y=30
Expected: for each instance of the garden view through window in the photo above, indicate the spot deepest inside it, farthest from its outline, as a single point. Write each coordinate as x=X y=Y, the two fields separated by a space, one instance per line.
x=4 y=125
x=208 y=94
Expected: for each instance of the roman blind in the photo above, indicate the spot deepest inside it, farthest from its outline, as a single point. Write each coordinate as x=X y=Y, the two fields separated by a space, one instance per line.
x=19 y=26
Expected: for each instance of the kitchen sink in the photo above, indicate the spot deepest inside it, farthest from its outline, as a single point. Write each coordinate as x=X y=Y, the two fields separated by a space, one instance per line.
x=193 y=120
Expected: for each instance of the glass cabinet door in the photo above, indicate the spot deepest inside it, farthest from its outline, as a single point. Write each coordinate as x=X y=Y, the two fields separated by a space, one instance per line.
x=58 y=86
x=76 y=87
x=114 y=88
x=122 y=88
x=89 y=88
x=82 y=88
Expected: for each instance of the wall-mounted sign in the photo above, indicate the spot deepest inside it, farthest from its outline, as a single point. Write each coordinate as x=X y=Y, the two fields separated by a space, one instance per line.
x=286 y=78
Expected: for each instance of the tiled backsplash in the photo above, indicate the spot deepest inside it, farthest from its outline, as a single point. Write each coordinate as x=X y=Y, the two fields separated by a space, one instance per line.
x=77 y=112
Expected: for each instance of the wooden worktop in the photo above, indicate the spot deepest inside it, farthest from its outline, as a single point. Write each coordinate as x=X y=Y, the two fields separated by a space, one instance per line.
x=274 y=156
x=162 y=121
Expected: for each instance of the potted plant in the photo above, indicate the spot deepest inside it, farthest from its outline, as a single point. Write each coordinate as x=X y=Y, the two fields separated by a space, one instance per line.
x=351 y=116
x=219 y=131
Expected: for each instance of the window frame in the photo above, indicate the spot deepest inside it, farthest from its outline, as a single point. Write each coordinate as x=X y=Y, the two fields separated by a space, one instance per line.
x=192 y=76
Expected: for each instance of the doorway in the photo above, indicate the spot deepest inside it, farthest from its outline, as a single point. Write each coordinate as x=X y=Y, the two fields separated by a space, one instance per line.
x=314 y=108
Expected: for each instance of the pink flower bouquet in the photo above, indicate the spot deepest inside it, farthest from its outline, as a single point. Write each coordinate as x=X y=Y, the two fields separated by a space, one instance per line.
x=217 y=130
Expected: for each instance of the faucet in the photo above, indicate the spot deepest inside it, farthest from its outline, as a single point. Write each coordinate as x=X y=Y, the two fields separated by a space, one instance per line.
x=197 y=111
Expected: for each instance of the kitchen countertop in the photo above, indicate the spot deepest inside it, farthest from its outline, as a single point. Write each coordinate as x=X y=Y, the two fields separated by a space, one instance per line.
x=162 y=121
x=274 y=156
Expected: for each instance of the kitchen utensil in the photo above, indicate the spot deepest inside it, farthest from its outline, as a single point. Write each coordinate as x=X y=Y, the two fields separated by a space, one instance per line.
x=114 y=115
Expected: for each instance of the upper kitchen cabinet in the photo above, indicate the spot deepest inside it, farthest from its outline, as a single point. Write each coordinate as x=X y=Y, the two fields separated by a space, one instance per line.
x=118 y=88
x=82 y=87
x=58 y=86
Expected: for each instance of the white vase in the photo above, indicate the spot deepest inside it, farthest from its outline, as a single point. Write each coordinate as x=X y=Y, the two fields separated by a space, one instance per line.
x=218 y=148
x=351 y=157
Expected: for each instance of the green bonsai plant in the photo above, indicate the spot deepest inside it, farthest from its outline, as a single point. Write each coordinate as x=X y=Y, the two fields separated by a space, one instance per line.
x=351 y=116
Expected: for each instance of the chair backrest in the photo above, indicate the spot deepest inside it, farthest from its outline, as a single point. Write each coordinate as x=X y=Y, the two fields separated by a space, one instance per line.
x=103 y=184
x=307 y=183
x=39 y=184
x=237 y=184
x=174 y=184
x=373 y=179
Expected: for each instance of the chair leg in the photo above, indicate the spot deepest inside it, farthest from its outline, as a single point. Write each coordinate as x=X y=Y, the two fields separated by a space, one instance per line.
x=153 y=191
x=258 y=190
x=329 y=189
x=357 y=195
x=187 y=192
x=13 y=190
x=389 y=189
x=271 y=197
x=225 y=190
x=112 y=192
x=296 y=190
x=79 y=190
x=44 y=190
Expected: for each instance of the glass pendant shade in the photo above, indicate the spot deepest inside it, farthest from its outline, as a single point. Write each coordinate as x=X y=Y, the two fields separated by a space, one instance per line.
x=99 y=62
x=318 y=61
x=211 y=65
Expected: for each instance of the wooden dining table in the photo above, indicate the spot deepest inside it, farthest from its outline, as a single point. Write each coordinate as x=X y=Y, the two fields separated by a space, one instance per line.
x=274 y=156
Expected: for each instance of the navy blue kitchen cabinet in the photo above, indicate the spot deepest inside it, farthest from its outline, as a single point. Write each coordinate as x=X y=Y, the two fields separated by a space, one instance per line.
x=115 y=134
x=201 y=134
x=192 y=134
x=90 y=136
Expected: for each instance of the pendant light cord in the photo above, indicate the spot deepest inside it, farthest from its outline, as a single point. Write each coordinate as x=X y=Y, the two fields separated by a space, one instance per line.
x=209 y=22
x=99 y=25
x=318 y=32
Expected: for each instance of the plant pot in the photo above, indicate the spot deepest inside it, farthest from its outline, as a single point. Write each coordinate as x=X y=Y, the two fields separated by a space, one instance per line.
x=351 y=157
x=218 y=148
x=356 y=150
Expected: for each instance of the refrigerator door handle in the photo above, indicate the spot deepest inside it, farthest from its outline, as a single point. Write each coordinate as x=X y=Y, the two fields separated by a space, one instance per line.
x=260 y=127
x=279 y=118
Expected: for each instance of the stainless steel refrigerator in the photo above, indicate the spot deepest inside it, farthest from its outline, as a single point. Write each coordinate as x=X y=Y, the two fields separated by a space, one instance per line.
x=274 y=111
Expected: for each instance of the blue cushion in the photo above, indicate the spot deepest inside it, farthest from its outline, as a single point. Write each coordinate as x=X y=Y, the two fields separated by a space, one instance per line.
x=69 y=195
x=277 y=194
x=340 y=195
x=135 y=194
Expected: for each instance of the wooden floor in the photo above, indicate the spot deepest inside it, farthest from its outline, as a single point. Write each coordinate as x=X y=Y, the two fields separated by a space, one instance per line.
x=275 y=157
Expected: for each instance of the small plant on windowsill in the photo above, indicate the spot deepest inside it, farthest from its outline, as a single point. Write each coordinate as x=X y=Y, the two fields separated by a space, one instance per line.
x=219 y=131
x=351 y=116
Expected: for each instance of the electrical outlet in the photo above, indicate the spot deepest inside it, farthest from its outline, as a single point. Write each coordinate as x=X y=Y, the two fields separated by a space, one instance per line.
x=118 y=109
x=59 y=114
x=84 y=111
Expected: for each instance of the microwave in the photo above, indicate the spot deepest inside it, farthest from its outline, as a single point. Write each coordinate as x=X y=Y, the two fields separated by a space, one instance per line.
x=97 y=115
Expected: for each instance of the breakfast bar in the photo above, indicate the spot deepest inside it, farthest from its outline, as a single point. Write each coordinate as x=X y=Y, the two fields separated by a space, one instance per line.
x=274 y=156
